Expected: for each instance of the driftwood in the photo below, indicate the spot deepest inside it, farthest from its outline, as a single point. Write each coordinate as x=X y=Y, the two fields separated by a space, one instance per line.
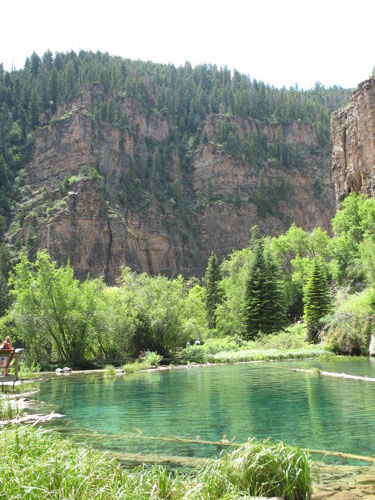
x=21 y=396
x=171 y=460
x=31 y=419
x=336 y=375
x=221 y=443
x=340 y=454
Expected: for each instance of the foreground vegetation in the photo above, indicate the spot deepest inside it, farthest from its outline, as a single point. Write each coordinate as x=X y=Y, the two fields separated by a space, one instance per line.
x=38 y=464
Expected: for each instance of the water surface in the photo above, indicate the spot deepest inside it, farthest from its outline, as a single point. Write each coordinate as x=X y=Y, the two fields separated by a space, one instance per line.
x=264 y=400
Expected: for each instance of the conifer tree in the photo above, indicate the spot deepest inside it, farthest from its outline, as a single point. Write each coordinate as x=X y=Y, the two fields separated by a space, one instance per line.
x=264 y=307
x=317 y=300
x=53 y=89
x=34 y=109
x=213 y=292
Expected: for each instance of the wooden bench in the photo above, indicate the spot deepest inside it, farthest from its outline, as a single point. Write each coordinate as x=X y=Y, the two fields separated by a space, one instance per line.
x=8 y=356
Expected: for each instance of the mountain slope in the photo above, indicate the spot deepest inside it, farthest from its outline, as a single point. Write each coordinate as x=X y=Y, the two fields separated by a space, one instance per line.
x=117 y=162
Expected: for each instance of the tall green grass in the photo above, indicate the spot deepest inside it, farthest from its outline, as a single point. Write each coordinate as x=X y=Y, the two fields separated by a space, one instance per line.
x=109 y=370
x=9 y=411
x=151 y=360
x=289 y=344
x=200 y=356
x=38 y=464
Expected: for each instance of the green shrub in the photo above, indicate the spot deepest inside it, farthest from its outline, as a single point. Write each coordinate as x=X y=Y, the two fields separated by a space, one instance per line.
x=153 y=358
x=109 y=370
x=352 y=324
x=291 y=338
x=350 y=334
x=194 y=353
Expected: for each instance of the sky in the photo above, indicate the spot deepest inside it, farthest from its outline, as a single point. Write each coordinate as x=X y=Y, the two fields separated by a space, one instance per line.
x=281 y=42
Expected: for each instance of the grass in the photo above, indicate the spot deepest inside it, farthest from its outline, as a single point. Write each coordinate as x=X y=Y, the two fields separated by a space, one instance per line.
x=40 y=464
x=136 y=366
x=199 y=356
x=289 y=344
x=9 y=411
x=109 y=371
x=26 y=371
x=152 y=359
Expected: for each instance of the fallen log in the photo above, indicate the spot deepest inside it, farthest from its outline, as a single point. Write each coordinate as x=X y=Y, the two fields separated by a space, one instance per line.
x=335 y=374
x=167 y=460
x=21 y=396
x=220 y=443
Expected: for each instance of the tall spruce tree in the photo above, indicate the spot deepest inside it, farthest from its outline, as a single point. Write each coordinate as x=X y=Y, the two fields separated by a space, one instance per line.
x=213 y=292
x=264 y=305
x=317 y=299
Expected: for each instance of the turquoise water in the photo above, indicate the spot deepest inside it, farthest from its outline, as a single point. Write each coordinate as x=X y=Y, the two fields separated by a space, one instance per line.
x=264 y=400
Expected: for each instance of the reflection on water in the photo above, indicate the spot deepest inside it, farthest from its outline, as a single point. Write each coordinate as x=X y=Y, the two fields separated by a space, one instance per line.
x=263 y=400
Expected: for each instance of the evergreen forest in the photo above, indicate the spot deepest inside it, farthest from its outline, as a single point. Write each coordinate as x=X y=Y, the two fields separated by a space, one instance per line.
x=185 y=96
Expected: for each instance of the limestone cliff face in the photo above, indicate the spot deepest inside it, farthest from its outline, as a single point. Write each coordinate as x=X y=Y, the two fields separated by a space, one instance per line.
x=86 y=191
x=353 y=136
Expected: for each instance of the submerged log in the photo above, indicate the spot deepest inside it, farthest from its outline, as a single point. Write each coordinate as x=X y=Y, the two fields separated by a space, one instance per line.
x=23 y=395
x=169 y=460
x=336 y=375
x=349 y=456
x=220 y=443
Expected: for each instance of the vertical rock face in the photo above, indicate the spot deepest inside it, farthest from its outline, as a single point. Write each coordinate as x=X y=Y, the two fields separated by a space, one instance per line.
x=303 y=193
x=92 y=191
x=353 y=136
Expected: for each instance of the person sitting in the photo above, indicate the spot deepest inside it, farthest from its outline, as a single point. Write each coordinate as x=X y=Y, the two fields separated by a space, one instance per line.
x=6 y=345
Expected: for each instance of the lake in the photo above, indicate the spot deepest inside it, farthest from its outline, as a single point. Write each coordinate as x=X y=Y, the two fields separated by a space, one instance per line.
x=264 y=400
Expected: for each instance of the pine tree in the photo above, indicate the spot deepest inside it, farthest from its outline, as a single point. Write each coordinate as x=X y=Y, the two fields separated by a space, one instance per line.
x=34 y=109
x=213 y=292
x=264 y=307
x=53 y=89
x=317 y=299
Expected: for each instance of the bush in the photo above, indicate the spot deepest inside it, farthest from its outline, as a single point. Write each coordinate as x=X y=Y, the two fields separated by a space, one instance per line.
x=153 y=358
x=109 y=370
x=352 y=324
x=194 y=353
x=291 y=338
x=349 y=334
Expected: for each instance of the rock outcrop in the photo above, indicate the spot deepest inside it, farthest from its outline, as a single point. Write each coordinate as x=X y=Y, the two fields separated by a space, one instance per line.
x=91 y=191
x=353 y=136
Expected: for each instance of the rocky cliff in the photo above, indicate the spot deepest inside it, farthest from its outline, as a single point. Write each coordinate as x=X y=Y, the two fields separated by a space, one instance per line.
x=106 y=196
x=353 y=136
